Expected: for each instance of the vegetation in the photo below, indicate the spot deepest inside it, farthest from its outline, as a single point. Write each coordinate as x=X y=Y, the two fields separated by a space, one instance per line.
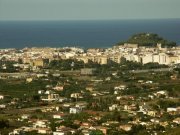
x=21 y=97
x=165 y=104
x=7 y=66
x=175 y=131
x=148 y=39
x=96 y=132
x=67 y=64
x=4 y=123
x=18 y=88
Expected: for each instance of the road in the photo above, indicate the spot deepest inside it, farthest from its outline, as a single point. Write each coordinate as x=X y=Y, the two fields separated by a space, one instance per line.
x=152 y=70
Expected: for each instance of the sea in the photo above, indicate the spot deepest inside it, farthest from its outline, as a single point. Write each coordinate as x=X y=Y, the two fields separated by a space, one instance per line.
x=84 y=34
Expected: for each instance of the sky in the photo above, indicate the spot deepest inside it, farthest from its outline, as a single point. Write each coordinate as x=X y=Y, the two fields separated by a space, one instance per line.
x=88 y=9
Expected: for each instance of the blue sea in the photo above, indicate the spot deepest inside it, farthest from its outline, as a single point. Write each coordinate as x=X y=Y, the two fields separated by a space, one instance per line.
x=86 y=34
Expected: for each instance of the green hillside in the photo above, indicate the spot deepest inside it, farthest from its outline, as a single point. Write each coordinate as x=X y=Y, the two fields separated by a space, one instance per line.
x=148 y=39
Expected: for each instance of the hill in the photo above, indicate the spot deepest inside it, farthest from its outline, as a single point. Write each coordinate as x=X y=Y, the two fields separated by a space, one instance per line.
x=148 y=39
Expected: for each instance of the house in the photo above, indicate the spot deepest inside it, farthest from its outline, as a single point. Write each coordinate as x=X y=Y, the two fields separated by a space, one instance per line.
x=152 y=113
x=87 y=71
x=141 y=81
x=25 y=116
x=1 y=97
x=120 y=87
x=177 y=120
x=149 y=82
x=94 y=93
x=21 y=130
x=2 y=106
x=48 y=92
x=62 y=99
x=132 y=107
x=174 y=77
x=129 y=97
x=173 y=110
x=86 y=132
x=68 y=105
x=155 y=120
x=77 y=122
x=118 y=97
x=50 y=97
x=44 y=130
x=40 y=91
x=59 y=88
x=16 y=131
x=125 y=127
x=110 y=123
x=85 y=125
x=58 y=116
x=108 y=79
x=41 y=124
x=28 y=80
x=143 y=123
x=64 y=131
x=48 y=109
x=113 y=107
x=53 y=96
x=103 y=129
x=164 y=124
x=49 y=86
x=74 y=110
x=57 y=108
x=90 y=88
x=76 y=95
x=161 y=93
x=58 y=133
x=41 y=75
x=151 y=96
x=116 y=92
x=56 y=75
x=81 y=105
x=39 y=62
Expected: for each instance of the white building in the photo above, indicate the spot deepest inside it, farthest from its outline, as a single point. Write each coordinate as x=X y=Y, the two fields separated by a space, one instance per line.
x=147 y=58
x=1 y=97
x=161 y=58
x=171 y=109
x=2 y=106
x=74 y=110
x=40 y=123
x=58 y=116
x=177 y=120
x=44 y=131
x=25 y=116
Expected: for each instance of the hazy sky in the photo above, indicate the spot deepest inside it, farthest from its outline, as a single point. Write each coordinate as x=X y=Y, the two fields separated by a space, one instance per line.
x=88 y=9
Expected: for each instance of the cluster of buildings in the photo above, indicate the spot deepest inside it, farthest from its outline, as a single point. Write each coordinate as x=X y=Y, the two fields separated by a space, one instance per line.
x=40 y=57
x=86 y=126
x=135 y=110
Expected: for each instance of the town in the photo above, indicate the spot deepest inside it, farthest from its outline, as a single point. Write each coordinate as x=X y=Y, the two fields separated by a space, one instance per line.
x=127 y=89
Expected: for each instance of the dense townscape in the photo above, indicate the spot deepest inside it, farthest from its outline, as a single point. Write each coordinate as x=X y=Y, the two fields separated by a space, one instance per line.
x=132 y=88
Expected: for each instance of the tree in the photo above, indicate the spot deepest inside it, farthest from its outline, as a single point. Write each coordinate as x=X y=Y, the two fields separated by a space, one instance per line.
x=148 y=39
x=36 y=97
x=136 y=129
x=96 y=132
x=53 y=125
x=31 y=133
x=4 y=123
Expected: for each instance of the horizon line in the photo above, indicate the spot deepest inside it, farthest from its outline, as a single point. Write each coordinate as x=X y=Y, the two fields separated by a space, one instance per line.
x=26 y=20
